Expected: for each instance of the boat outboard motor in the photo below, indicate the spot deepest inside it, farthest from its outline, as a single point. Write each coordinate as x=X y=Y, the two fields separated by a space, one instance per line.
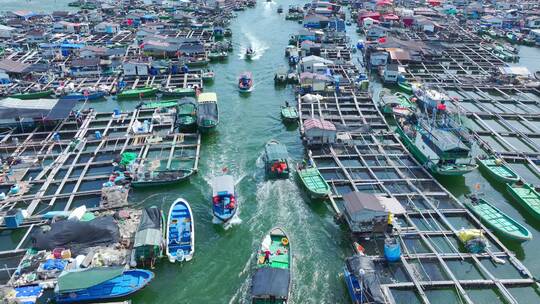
x=180 y=257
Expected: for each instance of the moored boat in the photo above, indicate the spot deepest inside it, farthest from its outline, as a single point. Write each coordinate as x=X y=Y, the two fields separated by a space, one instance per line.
x=405 y=87
x=439 y=150
x=148 y=242
x=275 y=160
x=245 y=82
x=180 y=232
x=313 y=181
x=144 y=92
x=178 y=92
x=527 y=196
x=271 y=282
x=208 y=76
x=207 y=111
x=497 y=169
x=289 y=113
x=497 y=220
x=33 y=94
x=186 y=115
x=159 y=177
x=224 y=202
x=100 y=283
x=397 y=104
x=362 y=280
x=82 y=96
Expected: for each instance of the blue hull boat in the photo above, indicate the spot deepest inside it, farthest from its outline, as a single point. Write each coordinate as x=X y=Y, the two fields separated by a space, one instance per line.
x=180 y=232
x=224 y=204
x=81 y=97
x=115 y=283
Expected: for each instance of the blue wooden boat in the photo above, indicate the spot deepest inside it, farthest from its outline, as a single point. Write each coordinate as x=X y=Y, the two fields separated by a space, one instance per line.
x=224 y=204
x=180 y=232
x=80 y=96
x=100 y=283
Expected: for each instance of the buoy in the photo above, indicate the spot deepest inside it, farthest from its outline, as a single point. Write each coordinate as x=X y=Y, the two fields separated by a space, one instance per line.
x=285 y=241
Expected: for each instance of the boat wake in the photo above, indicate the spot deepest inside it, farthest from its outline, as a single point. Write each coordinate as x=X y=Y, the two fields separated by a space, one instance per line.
x=257 y=45
x=241 y=294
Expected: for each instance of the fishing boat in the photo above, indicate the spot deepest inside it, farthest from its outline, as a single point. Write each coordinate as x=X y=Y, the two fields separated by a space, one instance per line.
x=84 y=96
x=100 y=284
x=33 y=94
x=180 y=232
x=271 y=282
x=208 y=76
x=527 y=196
x=313 y=181
x=217 y=55
x=280 y=9
x=207 y=111
x=159 y=177
x=280 y=77
x=405 y=87
x=428 y=98
x=440 y=150
x=497 y=220
x=177 y=92
x=186 y=115
x=362 y=280
x=250 y=53
x=289 y=113
x=245 y=82
x=275 y=160
x=497 y=169
x=143 y=92
x=224 y=203
x=397 y=104
x=148 y=243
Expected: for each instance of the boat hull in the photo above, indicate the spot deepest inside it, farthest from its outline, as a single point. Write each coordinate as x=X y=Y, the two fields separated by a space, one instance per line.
x=499 y=221
x=116 y=288
x=313 y=183
x=531 y=202
x=487 y=166
x=180 y=232
x=425 y=161
x=33 y=95
x=153 y=183
x=134 y=94
x=81 y=97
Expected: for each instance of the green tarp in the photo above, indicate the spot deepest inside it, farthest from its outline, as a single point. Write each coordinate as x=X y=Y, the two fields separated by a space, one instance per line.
x=82 y=279
x=128 y=158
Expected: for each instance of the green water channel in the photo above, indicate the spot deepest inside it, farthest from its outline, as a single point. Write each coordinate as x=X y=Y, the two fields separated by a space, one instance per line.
x=220 y=270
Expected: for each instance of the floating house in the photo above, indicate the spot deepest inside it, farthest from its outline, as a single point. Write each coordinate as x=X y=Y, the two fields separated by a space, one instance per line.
x=319 y=132
x=369 y=213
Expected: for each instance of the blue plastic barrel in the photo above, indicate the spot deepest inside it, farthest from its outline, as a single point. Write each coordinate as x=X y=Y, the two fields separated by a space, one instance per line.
x=392 y=250
x=116 y=112
x=56 y=136
x=98 y=135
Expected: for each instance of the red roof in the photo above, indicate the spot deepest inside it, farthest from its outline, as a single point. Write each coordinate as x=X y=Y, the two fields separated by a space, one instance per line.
x=372 y=15
x=390 y=17
x=319 y=124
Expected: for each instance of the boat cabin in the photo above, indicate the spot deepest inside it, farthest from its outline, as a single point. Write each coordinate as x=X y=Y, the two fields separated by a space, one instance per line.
x=275 y=158
x=391 y=73
x=223 y=196
x=366 y=213
x=319 y=132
